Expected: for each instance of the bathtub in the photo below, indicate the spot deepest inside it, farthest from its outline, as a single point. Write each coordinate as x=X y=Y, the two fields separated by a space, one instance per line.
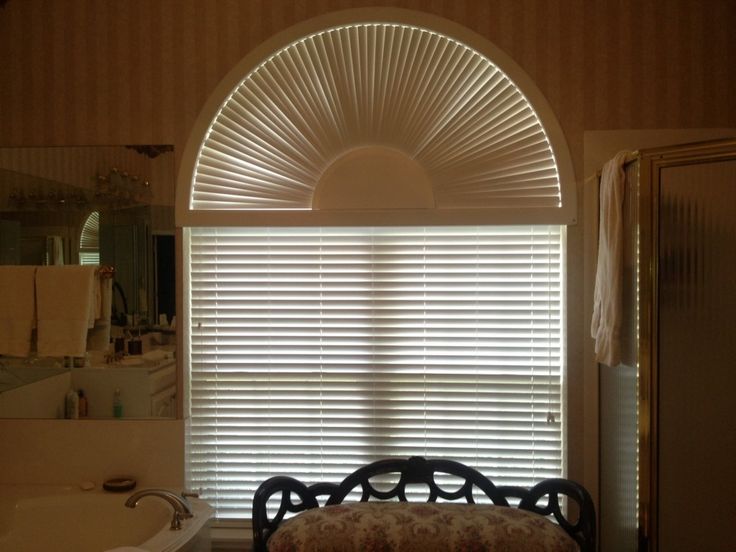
x=66 y=519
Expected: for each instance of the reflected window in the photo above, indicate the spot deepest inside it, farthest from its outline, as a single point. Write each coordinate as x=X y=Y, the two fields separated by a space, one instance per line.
x=89 y=241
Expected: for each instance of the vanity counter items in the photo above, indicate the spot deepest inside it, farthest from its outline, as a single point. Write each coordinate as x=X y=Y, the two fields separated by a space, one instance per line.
x=146 y=384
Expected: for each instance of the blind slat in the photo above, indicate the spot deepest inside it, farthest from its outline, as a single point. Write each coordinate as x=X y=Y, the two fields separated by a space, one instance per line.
x=314 y=351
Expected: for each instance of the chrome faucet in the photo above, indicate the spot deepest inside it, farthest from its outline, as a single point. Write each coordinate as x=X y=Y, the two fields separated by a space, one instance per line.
x=182 y=510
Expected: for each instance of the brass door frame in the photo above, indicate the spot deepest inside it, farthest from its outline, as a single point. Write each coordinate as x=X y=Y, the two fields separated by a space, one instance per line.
x=652 y=161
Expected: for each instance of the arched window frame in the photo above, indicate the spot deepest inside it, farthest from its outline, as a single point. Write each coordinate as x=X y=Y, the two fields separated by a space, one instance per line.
x=189 y=218
x=565 y=214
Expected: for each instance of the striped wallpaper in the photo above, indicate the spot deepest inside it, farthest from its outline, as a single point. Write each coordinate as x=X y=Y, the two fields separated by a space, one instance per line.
x=79 y=165
x=98 y=72
x=137 y=71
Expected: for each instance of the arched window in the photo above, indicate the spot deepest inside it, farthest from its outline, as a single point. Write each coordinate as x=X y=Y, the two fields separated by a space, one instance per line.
x=89 y=240
x=373 y=215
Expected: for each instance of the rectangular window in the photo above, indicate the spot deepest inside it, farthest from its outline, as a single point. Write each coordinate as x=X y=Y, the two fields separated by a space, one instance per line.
x=86 y=258
x=314 y=351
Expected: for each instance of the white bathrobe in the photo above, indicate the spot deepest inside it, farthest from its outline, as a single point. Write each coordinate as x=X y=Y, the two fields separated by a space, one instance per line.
x=606 y=324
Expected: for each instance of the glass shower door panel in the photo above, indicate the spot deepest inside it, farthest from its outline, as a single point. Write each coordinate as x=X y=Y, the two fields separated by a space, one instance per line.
x=697 y=343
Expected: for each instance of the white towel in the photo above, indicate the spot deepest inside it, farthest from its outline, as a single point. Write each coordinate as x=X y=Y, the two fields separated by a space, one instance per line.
x=99 y=296
x=605 y=327
x=17 y=309
x=98 y=337
x=64 y=300
x=96 y=302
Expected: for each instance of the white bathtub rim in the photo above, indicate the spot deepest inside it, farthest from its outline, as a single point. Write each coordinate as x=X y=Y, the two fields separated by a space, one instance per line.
x=168 y=540
x=164 y=540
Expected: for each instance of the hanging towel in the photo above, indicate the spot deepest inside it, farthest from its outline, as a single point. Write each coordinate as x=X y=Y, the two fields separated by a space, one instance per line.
x=17 y=309
x=96 y=302
x=99 y=296
x=605 y=327
x=65 y=297
x=98 y=337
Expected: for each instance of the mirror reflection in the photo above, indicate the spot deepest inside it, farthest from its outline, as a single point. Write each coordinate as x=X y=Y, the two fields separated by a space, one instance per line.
x=87 y=300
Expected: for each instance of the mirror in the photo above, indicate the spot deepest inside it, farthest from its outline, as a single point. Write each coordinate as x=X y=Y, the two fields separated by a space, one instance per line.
x=111 y=207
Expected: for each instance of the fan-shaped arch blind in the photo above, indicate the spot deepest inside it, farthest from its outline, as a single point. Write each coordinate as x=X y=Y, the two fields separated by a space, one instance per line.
x=440 y=103
x=89 y=240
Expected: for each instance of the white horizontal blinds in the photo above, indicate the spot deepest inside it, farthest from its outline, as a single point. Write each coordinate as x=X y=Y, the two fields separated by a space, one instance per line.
x=443 y=104
x=317 y=350
x=89 y=240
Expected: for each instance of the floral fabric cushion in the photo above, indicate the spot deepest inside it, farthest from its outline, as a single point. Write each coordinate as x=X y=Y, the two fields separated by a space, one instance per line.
x=423 y=527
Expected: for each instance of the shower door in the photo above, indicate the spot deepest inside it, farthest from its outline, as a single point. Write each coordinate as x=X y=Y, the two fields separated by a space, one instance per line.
x=687 y=347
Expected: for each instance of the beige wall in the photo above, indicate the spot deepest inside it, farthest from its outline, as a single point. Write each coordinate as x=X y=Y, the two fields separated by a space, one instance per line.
x=138 y=71
x=70 y=452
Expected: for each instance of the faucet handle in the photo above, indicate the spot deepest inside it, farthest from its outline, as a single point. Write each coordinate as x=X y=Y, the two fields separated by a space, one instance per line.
x=189 y=494
x=176 y=521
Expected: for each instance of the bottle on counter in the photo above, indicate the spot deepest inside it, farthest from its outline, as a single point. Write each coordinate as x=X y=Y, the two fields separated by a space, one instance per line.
x=71 y=403
x=83 y=405
x=117 y=404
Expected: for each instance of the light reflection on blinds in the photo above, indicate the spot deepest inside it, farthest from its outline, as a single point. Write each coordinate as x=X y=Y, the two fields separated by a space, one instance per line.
x=317 y=350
